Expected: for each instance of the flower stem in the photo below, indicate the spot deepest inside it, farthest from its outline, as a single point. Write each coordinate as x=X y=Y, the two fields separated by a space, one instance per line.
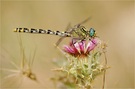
x=104 y=71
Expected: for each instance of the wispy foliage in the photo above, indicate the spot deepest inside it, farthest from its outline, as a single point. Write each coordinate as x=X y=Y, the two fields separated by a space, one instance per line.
x=13 y=77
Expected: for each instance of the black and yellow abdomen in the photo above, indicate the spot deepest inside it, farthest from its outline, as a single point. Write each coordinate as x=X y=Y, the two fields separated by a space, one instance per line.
x=41 y=31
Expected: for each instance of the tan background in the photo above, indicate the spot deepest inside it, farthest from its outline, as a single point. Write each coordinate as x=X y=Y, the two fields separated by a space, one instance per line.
x=113 y=20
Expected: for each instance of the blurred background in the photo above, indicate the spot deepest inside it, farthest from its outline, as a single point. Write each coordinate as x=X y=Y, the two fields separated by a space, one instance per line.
x=114 y=21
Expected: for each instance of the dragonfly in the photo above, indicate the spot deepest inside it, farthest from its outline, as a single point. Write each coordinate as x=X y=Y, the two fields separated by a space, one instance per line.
x=77 y=32
x=16 y=74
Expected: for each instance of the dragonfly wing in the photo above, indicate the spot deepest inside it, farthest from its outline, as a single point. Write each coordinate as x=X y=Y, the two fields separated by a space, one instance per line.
x=72 y=30
x=59 y=41
x=86 y=20
x=61 y=38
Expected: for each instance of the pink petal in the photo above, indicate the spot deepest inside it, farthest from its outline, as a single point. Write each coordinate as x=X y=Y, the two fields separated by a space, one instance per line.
x=82 y=46
x=94 y=41
x=91 y=45
x=77 y=47
x=69 y=49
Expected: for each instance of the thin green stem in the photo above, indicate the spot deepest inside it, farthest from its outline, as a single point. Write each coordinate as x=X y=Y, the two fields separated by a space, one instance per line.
x=104 y=71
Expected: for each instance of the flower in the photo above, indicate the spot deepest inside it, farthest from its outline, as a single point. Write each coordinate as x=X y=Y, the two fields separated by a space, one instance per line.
x=84 y=64
x=81 y=48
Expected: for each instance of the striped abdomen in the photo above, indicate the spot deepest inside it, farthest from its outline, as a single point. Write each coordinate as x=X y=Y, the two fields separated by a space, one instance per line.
x=41 y=31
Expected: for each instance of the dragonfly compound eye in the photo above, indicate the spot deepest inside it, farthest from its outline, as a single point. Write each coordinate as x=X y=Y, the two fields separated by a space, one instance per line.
x=91 y=32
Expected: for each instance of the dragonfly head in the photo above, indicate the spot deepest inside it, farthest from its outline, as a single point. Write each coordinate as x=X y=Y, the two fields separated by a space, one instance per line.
x=92 y=32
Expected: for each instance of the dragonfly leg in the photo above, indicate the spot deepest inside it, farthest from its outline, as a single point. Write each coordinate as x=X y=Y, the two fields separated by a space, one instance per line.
x=76 y=40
